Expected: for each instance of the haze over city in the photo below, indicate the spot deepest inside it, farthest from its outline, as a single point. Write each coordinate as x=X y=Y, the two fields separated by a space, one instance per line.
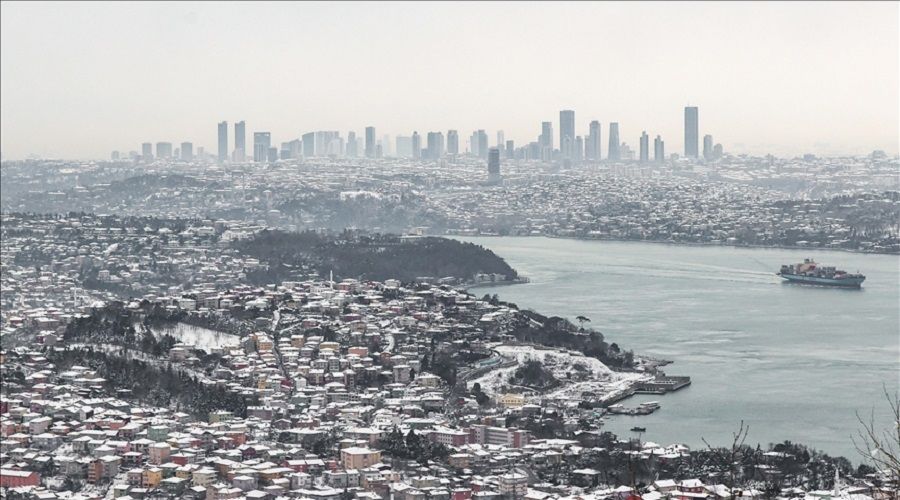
x=449 y=250
x=82 y=80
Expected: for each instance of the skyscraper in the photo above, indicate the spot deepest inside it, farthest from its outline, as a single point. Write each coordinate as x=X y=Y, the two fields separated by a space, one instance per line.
x=510 y=149
x=482 y=144
x=163 y=149
x=187 y=151
x=659 y=151
x=370 y=142
x=334 y=144
x=452 y=142
x=578 y=154
x=223 y=142
x=147 y=151
x=613 y=149
x=592 y=148
x=295 y=149
x=435 y=145
x=691 y=131
x=567 y=133
x=645 y=147
x=494 y=164
x=351 y=145
x=240 y=141
x=546 y=139
x=262 y=141
x=416 y=146
x=321 y=143
x=500 y=140
x=707 y=147
x=309 y=144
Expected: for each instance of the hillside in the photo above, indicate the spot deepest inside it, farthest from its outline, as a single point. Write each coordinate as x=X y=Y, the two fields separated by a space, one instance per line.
x=374 y=257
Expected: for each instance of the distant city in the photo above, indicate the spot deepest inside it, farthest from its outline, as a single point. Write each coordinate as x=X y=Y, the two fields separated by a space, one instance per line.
x=522 y=269
x=570 y=147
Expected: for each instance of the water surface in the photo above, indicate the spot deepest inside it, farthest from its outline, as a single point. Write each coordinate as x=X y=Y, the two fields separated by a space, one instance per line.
x=795 y=362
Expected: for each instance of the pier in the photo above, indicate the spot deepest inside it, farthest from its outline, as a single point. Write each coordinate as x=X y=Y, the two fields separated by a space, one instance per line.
x=663 y=384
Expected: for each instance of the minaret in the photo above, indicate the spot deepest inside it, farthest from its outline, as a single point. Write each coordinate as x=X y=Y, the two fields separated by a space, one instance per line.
x=837 y=478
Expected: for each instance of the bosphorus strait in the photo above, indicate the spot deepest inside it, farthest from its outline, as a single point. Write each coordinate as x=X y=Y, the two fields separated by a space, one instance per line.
x=778 y=356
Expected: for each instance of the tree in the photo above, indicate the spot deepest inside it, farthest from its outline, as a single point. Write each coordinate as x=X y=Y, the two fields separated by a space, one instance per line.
x=480 y=397
x=582 y=320
x=881 y=446
x=729 y=460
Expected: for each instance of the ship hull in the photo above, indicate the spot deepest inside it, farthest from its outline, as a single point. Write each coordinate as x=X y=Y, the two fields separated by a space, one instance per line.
x=813 y=280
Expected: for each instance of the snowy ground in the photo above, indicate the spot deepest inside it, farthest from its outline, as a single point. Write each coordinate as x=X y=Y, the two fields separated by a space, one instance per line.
x=577 y=373
x=200 y=337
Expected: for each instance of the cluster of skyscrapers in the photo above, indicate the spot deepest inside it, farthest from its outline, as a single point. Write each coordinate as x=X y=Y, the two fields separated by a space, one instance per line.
x=571 y=148
x=164 y=150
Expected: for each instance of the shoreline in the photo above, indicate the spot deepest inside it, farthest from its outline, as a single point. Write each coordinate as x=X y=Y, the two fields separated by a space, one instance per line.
x=674 y=243
x=518 y=281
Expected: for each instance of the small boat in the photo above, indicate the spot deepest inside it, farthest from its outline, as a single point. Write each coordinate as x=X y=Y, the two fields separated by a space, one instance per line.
x=638 y=429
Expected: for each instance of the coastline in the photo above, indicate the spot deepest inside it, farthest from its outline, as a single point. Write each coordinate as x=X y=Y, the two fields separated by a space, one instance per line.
x=480 y=284
x=673 y=243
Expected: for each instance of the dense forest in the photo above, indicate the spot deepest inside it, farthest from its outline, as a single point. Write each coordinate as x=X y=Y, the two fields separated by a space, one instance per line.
x=374 y=257
x=153 y=384
x=559 y=332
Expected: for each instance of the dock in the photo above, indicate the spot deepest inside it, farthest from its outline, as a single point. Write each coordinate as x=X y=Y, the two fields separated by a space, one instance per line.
x=663 y=384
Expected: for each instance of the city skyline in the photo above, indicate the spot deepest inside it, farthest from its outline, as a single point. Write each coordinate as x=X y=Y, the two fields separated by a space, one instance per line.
x=332 y=143
x=442 y=251
x=813 y=57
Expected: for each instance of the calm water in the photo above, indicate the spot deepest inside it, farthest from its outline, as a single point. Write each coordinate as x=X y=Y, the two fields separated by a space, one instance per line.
x=795 y=362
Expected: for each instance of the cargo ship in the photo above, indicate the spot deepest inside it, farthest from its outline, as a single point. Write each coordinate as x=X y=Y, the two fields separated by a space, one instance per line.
x=809 y=272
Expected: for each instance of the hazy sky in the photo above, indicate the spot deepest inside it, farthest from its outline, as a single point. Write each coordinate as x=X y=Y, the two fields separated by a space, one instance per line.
x=80 y=80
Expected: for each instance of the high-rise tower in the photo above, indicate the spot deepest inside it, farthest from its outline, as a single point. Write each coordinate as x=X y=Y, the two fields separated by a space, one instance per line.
x=163 y=149
x=567 y=133
x=370 y=142
x=435 y=145
x=645 y=147
x=614 y=154
x=691 y=131
x=482 y=143
x=262 y=141
x=546 y=139
x=187 y=151
x=147 y=151
x=240 y=141
x=707 y=147
x=592 y=148
x=452 y=142
x=416 y=146
x=223 y=142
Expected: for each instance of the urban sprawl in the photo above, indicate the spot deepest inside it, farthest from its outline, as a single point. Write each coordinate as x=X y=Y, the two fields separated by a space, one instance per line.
x=288 y=322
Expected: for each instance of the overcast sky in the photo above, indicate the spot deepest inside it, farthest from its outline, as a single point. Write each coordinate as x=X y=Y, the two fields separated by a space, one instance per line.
x=82 y=79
